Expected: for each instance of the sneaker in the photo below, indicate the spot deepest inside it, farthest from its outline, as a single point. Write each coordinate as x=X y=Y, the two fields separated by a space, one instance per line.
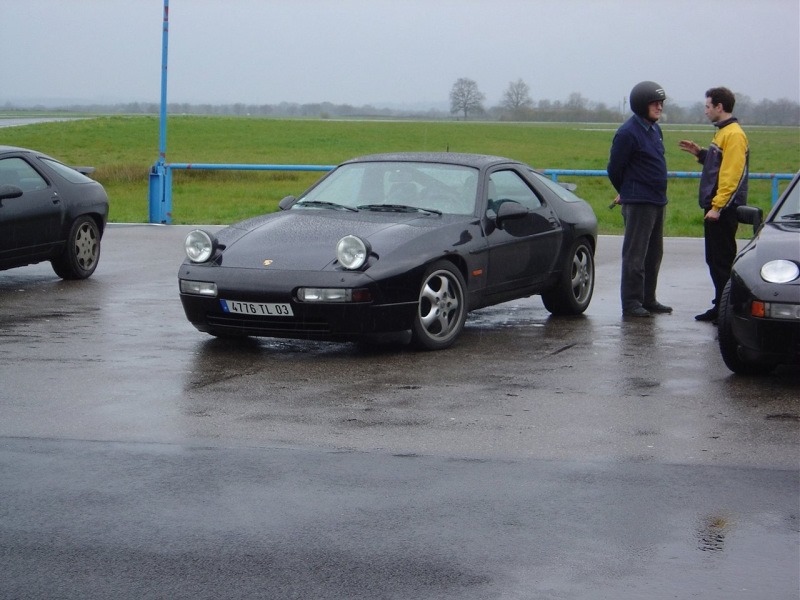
x=639 y=311
x=710 y=315
x=657 y=307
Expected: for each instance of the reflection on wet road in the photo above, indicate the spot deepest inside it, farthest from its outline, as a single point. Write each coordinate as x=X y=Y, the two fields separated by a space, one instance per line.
x=540 y=457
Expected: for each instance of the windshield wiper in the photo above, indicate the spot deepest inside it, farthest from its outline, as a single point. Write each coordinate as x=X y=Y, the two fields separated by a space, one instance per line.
x=791 y=217
x=324 y=204
x=399 y=208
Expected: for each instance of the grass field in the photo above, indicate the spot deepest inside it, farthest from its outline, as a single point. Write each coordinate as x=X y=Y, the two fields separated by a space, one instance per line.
x=123 y=149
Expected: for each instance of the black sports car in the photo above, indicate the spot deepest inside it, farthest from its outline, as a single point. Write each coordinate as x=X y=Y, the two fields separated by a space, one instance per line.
x=407 y=242
x=49 y=211
x=759 y=314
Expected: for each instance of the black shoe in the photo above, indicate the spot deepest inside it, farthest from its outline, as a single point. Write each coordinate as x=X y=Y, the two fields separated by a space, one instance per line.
x=657 y=307
x=710 y=315
x=639 y=311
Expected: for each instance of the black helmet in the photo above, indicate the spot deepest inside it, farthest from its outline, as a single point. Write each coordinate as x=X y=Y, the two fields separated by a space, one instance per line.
x=643 y=94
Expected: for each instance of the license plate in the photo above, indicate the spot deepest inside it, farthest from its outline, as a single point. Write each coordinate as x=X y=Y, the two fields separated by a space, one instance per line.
x=257 y=309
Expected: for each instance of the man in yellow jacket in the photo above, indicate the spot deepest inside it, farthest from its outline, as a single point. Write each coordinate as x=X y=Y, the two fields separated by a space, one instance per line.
x=723 y=187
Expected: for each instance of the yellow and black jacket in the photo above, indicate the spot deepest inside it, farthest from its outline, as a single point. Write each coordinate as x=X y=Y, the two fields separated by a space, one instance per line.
x=726 y=166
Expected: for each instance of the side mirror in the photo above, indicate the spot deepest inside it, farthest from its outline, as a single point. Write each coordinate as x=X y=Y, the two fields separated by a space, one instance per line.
x=9 y=191
x=750 y=215
x=286 y=202
x=510 y=211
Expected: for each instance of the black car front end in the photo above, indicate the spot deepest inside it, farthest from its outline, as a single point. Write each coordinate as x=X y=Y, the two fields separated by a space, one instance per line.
x=767 y=331
x=759 y=317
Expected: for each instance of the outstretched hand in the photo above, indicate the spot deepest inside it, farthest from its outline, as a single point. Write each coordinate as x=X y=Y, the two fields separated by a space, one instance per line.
x=690 y=147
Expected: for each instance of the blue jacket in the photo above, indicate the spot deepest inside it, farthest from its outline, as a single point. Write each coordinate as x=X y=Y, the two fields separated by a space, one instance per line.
x=637 y=167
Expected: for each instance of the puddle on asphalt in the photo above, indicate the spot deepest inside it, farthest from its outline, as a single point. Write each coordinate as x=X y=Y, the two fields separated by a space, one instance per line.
x=711 y=533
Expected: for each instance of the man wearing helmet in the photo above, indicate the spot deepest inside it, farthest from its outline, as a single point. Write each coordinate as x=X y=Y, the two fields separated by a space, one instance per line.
x=723 y=187
x=637 y=169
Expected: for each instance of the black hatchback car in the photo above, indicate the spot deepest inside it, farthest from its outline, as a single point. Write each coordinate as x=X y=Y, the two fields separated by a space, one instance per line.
x=49 y=212
x=759 y=317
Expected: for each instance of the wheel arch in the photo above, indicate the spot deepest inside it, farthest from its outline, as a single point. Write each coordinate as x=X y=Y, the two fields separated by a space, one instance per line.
x=99 y=219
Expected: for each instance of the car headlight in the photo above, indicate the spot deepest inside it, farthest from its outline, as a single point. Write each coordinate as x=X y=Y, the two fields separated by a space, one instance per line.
x=199 y=246
x=352 y=252
x=321 y=295
x=779 y=271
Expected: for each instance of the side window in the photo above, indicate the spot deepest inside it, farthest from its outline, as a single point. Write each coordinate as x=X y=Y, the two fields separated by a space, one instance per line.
x=508 y=185
x=15 y=171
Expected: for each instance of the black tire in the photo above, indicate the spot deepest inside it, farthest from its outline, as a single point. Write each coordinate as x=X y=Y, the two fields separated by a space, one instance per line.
x=729 y=346
x=573 y=292
x=81 y=252
x=441 y=309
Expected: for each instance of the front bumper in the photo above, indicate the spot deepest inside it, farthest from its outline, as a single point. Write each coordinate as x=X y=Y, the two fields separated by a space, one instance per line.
x=318 y=322
x=767 y=340
x=392 y=308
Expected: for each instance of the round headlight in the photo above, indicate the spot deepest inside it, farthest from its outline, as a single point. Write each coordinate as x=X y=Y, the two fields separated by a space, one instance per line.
x=199 y=246
x=780 y=271
x=352 y=252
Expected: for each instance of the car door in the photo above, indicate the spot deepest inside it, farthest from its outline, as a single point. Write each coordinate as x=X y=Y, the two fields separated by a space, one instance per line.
x=30 y=225
x=523 y=250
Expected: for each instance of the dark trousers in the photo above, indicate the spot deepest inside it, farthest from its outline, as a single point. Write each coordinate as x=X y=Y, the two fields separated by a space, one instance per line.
x=720 y=238
x=642 y=249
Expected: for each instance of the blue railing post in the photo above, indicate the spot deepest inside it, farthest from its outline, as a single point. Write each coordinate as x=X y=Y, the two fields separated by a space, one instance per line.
x=161 y=179
x=774 y=177
x=157 y=193
x=168 y=194
x=160 y=200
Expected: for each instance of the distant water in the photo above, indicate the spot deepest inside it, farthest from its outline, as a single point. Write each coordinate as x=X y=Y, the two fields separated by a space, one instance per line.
x=13 y=122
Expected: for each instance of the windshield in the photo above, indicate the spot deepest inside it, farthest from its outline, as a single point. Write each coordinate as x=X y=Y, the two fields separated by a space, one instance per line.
x=402 y=186
x=789 y=210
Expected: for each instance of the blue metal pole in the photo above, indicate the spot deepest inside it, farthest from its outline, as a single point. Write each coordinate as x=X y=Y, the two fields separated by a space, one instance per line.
x=160 y=202
x=162 y=143
x=774 y=190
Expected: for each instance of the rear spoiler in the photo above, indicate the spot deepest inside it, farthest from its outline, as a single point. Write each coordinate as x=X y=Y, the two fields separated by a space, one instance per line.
x=84 y=170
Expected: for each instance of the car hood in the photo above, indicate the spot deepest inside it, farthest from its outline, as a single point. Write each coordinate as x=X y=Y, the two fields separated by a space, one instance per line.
x=774 y=241
x=306 y=239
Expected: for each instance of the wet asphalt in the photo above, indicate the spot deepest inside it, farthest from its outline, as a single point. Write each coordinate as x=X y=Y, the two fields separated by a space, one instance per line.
x=589 y=457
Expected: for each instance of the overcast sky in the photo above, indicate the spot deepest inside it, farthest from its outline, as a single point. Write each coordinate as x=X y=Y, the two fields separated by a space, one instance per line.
x=395 y=51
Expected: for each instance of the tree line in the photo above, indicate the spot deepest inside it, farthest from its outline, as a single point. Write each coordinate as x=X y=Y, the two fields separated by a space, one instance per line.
x=466 y=102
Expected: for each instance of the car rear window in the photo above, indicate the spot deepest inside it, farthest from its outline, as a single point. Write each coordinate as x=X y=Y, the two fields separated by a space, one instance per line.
x=66 y=172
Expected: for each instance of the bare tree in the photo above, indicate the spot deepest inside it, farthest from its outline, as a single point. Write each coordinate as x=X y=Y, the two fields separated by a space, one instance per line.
x=465 y=97
x=517 y=97
x=577 y=102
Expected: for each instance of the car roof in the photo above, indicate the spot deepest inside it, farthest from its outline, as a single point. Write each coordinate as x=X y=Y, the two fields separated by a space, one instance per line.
x=15 y=149
x=454 y=158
